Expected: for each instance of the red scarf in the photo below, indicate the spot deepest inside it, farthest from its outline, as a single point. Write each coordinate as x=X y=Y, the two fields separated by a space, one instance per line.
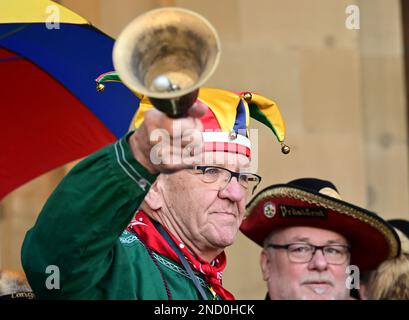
x=146 y=231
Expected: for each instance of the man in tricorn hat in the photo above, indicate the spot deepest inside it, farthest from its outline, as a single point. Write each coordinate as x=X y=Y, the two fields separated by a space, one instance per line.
x=310 y=237
x=147 y=217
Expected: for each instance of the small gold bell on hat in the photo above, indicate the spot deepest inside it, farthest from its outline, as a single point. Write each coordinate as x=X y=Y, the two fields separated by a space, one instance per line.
x=284 y=148
x=100 y=87
x=232 y=135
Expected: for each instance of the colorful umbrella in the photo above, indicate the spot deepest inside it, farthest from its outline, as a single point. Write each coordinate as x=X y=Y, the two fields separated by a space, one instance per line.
x=50 y=112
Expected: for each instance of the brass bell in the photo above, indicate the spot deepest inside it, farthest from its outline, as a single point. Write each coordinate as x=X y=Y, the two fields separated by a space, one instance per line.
x=100 y=87
x=285 y=149
x=167 y=54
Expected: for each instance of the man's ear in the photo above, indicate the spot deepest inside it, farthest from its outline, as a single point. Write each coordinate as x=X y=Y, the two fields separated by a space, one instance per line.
x=154 y=197
x=264 y=264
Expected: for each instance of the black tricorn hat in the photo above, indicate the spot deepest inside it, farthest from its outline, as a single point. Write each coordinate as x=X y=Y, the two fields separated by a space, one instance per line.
x=316 y=203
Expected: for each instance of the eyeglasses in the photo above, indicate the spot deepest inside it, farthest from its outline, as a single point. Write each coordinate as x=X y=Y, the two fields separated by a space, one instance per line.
x=303 y=252
x=221 y=177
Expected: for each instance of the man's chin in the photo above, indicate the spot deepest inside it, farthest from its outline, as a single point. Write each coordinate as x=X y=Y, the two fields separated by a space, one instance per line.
x=223 y=235
x=318 y=292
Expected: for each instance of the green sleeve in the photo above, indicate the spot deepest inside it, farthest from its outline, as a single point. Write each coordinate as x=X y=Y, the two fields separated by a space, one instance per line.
x=79 y=226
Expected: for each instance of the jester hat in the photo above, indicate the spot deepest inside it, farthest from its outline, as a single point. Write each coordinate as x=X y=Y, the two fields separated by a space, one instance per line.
x=226 y=123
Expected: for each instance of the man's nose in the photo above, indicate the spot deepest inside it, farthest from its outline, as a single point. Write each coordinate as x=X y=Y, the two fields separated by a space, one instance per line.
x=233 y=191
x=318 y=261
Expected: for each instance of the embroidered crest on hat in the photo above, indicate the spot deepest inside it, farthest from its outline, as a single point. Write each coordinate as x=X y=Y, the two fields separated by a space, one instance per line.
x=269 y=210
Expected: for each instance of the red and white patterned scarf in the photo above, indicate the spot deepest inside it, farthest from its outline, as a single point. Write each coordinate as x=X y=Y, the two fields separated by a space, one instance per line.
x=143 y=227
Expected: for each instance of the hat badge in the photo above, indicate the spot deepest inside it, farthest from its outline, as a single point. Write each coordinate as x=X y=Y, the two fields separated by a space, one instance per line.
x=269 y=210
